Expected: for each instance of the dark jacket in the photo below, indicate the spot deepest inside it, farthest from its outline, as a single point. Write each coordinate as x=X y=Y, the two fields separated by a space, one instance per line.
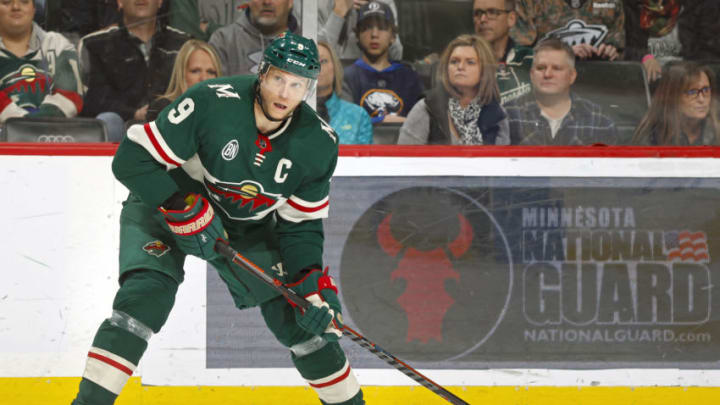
x=119 y=78
x=440 y=134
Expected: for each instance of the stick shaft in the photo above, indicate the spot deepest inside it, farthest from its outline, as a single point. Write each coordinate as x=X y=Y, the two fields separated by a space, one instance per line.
x=230 y=253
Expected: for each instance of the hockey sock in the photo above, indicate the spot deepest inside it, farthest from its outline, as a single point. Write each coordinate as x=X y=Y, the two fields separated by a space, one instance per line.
x=328 y=373
x=112 y=359
x=141 y=307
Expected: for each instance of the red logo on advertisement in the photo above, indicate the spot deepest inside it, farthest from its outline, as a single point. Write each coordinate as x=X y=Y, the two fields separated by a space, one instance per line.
x=425 y=300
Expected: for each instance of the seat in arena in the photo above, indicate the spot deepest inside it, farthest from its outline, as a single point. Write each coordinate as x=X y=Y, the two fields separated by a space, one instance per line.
x=620 y=88
x=53 y=129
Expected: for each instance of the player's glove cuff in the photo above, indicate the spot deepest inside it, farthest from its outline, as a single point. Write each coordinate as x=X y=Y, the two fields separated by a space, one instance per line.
x=196 y=228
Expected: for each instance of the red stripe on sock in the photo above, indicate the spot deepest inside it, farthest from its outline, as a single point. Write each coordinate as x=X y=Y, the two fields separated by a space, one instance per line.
x=332 y=382
x=111 y=362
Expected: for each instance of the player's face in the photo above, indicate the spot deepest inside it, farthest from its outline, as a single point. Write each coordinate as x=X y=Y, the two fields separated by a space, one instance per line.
x=282 y=92
x=495 y=22
x=695 y=100
x=139 y=9
x=464 y=68
x=375 y=37
x=327 y=71
x=551 y=73
x=200 y=67
x=270 y=15
x=16 y=16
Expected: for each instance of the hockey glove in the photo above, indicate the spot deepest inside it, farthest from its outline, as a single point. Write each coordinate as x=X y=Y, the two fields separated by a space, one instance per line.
x=195 y=226
x=324 y=317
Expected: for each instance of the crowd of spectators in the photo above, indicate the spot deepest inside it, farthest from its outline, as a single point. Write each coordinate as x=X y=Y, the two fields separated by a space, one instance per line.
x=511 y=81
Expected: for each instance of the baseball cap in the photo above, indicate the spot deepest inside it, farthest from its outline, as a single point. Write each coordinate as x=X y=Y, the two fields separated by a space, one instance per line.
x=376 y=8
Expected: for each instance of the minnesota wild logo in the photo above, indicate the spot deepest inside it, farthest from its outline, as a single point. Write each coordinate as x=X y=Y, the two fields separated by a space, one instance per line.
x=156 y=248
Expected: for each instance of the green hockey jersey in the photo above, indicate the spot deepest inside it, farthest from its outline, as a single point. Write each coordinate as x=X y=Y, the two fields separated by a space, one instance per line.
x=43 y=82
x=207 y=141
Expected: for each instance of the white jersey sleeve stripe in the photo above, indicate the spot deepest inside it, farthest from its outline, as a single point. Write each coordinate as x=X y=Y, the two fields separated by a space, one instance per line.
x=303 y=205
x=148 y=136
x=296 y=213
x=337 y=387
x=108 y=370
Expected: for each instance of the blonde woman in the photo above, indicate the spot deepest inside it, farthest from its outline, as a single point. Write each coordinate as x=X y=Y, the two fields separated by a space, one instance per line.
x=195 y=62
x=350 y=121
x=464 y=109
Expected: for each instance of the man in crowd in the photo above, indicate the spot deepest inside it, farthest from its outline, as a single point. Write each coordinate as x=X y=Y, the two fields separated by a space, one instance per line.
x=551 y=115
x=493 y=20
x=240 y=45
x=39 y=69
x=386 y=89
x=128 y=64
x=594 y=29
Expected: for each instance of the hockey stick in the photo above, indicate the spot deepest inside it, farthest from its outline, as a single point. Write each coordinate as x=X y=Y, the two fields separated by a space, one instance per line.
x=230 y=253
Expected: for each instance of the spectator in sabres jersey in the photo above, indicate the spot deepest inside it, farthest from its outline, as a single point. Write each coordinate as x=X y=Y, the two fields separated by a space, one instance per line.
x=39 y=69
x=196 y=62
x=386 y=89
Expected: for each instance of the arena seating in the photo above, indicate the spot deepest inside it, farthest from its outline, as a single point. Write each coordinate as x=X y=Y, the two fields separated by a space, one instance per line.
x=53 y=130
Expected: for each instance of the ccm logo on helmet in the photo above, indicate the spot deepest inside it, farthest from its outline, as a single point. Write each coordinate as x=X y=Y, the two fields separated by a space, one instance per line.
x=296 y=62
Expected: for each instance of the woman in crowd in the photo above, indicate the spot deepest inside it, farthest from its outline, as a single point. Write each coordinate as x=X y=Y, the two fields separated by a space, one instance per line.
x=195 y=62
x=350 y=121
x=683 y=110
x=464 y=109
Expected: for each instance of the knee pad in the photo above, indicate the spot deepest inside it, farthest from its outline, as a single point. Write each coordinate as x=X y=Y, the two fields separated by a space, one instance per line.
x=143 y=303
x=328 y=372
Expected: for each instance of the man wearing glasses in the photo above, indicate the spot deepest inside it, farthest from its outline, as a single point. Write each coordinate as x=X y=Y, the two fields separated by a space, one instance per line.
x=595 y=29
x=492 y=20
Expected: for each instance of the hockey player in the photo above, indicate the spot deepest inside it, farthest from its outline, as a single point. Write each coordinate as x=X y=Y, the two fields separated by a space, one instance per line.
x=241 y=159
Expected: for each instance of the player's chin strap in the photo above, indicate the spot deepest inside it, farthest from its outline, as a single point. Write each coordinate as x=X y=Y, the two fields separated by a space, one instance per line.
x=259 y=100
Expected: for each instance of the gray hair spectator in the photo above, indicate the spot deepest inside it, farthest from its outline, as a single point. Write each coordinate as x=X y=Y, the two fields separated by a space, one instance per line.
x=465 y=108
x=240 y=45
x=552 y=115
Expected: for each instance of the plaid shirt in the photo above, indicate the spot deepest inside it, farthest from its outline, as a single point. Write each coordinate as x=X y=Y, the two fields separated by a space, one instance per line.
x=584 y=124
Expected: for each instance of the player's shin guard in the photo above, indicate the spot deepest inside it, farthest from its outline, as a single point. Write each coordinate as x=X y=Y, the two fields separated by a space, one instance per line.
x=328 y=372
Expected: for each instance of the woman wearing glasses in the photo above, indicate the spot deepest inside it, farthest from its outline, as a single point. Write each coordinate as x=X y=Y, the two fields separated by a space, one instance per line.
x=464 y=108
x=683 y=111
